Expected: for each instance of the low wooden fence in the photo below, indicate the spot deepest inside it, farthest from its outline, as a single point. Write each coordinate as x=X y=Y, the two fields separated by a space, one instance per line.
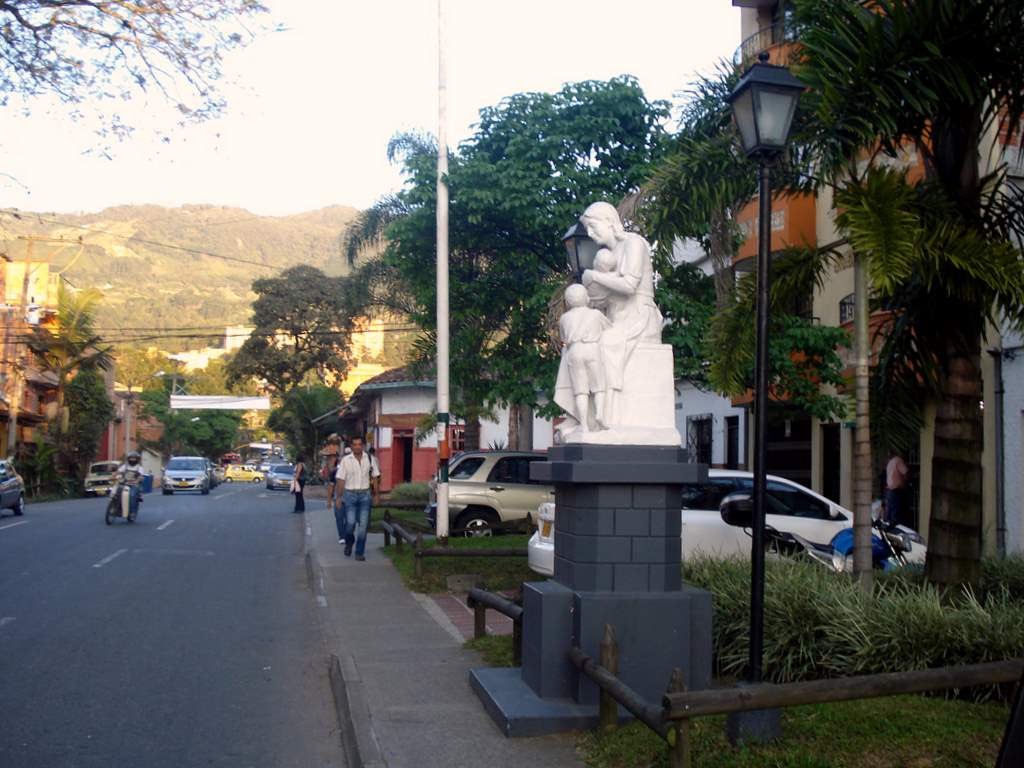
x=480 y=600
x=671 y=721
x=393 y=529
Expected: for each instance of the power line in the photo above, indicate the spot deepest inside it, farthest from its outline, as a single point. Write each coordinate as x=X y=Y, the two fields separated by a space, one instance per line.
x=144 y=241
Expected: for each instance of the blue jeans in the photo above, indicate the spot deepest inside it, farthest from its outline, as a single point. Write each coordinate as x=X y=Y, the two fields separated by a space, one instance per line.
x=339 y=518
x=357 y=518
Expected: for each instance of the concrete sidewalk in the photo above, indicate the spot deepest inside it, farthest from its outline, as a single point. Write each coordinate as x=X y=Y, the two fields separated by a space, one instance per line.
x=402 y=678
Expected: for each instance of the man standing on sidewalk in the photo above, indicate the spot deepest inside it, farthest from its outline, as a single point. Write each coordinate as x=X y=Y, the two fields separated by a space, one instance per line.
x=357 y=477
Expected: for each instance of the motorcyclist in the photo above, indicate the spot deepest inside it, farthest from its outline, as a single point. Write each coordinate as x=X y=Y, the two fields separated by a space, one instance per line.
x=130 y=473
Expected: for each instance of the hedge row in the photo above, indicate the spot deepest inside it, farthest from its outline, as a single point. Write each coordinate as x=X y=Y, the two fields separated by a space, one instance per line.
x=818 y=624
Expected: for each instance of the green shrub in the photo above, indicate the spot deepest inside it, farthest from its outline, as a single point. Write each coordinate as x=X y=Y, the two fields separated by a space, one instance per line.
x=410 y=492
x=818 y=624
x=1004 y=573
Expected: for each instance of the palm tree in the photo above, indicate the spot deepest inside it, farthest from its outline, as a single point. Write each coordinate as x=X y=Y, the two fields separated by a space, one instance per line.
x=941 y=76
x=71 y=345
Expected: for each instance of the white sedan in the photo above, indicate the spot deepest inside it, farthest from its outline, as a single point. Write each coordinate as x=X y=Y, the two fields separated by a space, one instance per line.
x=792 y=508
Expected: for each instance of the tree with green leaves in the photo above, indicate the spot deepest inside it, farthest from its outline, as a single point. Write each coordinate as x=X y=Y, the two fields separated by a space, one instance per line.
x=303 y=324
x=534 y=163
x=294 y=417
x=201 y=433
x=90 y=411
x=72 y=344
x=941 y=77
x=136 y=369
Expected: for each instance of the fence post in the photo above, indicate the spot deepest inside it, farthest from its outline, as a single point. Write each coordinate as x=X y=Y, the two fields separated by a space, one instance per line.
x=608 y=709
x=517 y=642
x=387 y=529
x=678 y=736
x=417 y=555
x=479 y=620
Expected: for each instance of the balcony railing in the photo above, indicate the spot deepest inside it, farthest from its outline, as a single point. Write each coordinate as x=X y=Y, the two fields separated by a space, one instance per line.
x=763 y=40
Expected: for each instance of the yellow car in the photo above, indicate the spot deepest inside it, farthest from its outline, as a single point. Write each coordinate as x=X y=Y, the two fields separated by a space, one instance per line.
x=237 y=473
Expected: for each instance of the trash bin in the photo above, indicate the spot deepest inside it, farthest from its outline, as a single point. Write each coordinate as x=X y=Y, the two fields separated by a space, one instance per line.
x=147 y=483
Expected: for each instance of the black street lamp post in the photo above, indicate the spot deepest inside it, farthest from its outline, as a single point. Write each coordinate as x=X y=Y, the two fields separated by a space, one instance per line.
x=763 y=104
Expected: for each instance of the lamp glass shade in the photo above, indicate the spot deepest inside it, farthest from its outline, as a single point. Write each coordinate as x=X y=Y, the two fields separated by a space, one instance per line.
x=580 y=249
x=763 y=105
x=743 y=113
x=774 y=114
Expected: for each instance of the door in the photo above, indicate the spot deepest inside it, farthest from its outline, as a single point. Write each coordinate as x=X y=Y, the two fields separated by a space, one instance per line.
x=401 y=458
x=732 y=442
x=514 y=494
x=793 y=509
x=8 y=493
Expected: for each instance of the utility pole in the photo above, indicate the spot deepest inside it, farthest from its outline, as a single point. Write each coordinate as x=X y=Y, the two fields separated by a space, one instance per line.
x=17 y=380
x=443 y=450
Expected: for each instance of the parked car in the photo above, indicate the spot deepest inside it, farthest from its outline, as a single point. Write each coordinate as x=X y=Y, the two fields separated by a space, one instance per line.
x=280 y=476
x=211 y=472
x=487 y=489
x=12 y=489
x=100 y=478
x=242 y=474
x=186 y=473
x=792 y=508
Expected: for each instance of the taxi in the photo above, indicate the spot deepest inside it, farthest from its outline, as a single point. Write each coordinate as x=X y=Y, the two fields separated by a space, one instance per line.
x=237 y=473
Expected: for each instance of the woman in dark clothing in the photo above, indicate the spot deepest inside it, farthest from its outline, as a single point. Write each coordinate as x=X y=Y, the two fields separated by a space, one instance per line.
x=299 y=483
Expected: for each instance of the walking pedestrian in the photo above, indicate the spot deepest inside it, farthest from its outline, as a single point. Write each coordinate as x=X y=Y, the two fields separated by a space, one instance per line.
x=896 y=472
x=299 y=483
x=358 y=478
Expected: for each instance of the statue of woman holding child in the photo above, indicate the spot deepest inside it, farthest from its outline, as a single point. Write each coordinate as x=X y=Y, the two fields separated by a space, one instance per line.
x=620 y=284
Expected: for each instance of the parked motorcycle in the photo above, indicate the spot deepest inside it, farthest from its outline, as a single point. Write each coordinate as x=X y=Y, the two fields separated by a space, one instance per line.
x=890 y=543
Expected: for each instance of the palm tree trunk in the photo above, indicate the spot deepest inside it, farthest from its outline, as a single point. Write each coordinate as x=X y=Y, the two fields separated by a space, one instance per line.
x=954 y=533
x=513 y=426
x=862 y=465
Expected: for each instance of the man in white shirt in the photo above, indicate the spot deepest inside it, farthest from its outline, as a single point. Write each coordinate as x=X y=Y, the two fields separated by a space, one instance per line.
x=356 y=478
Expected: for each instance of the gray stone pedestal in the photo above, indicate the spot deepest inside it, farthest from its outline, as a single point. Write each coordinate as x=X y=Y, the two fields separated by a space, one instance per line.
x=617 y=561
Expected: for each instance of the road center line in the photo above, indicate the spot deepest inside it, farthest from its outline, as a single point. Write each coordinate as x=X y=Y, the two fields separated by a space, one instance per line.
x=12 y=525
x=161 y=527
x=108 y=558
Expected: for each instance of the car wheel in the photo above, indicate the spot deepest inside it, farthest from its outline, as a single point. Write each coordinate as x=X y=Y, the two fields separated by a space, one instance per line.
x=476 y=521
x=228 y=480
x=256 y=480
x=19 y=508
x=205 y=491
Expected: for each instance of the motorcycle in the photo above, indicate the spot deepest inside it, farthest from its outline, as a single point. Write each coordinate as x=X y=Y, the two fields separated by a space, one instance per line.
x=124 y=502
x=890 y=543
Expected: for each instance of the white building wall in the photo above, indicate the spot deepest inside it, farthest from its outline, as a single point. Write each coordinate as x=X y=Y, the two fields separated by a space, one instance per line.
x=1013 y=440
x=407 y=400
x=691 y=401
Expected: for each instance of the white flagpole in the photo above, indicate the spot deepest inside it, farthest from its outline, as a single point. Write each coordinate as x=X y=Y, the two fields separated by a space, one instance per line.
x=442 y=279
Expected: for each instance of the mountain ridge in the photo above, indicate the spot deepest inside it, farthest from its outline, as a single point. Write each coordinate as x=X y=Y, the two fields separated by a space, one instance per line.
x=174 y=267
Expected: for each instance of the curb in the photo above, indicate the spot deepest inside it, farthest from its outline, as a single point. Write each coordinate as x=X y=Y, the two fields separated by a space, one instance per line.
x=358 y=739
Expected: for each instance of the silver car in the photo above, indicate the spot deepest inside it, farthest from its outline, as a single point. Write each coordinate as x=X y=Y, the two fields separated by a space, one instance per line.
x=186 y=473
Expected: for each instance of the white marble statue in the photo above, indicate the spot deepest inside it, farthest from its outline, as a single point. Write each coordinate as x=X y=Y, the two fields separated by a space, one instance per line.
x=637 y=403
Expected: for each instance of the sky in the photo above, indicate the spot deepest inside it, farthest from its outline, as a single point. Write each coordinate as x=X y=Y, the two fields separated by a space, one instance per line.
x=311 y=108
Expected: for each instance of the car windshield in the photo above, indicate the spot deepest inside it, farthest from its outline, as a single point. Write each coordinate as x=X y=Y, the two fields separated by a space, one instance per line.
x=195 y=465
x=104 y=468
x=281 y=469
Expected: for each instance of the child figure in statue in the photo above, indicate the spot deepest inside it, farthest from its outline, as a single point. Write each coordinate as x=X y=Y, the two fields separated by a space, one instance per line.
x=581 y=327
x=604 y=261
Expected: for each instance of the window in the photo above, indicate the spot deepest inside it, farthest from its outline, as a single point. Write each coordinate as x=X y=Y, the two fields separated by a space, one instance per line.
x=513 y=469
x=466 y=468
x=457 y=437
x=707 y=495
x=786 y=499
x=698 y=438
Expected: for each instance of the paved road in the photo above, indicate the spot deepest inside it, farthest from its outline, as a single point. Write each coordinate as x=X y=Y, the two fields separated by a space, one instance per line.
x=187 y=639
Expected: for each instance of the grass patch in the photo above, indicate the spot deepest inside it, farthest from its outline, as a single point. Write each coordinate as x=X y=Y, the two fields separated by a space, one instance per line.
x=878 y=733
x=496 y=650
x=497 y=573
